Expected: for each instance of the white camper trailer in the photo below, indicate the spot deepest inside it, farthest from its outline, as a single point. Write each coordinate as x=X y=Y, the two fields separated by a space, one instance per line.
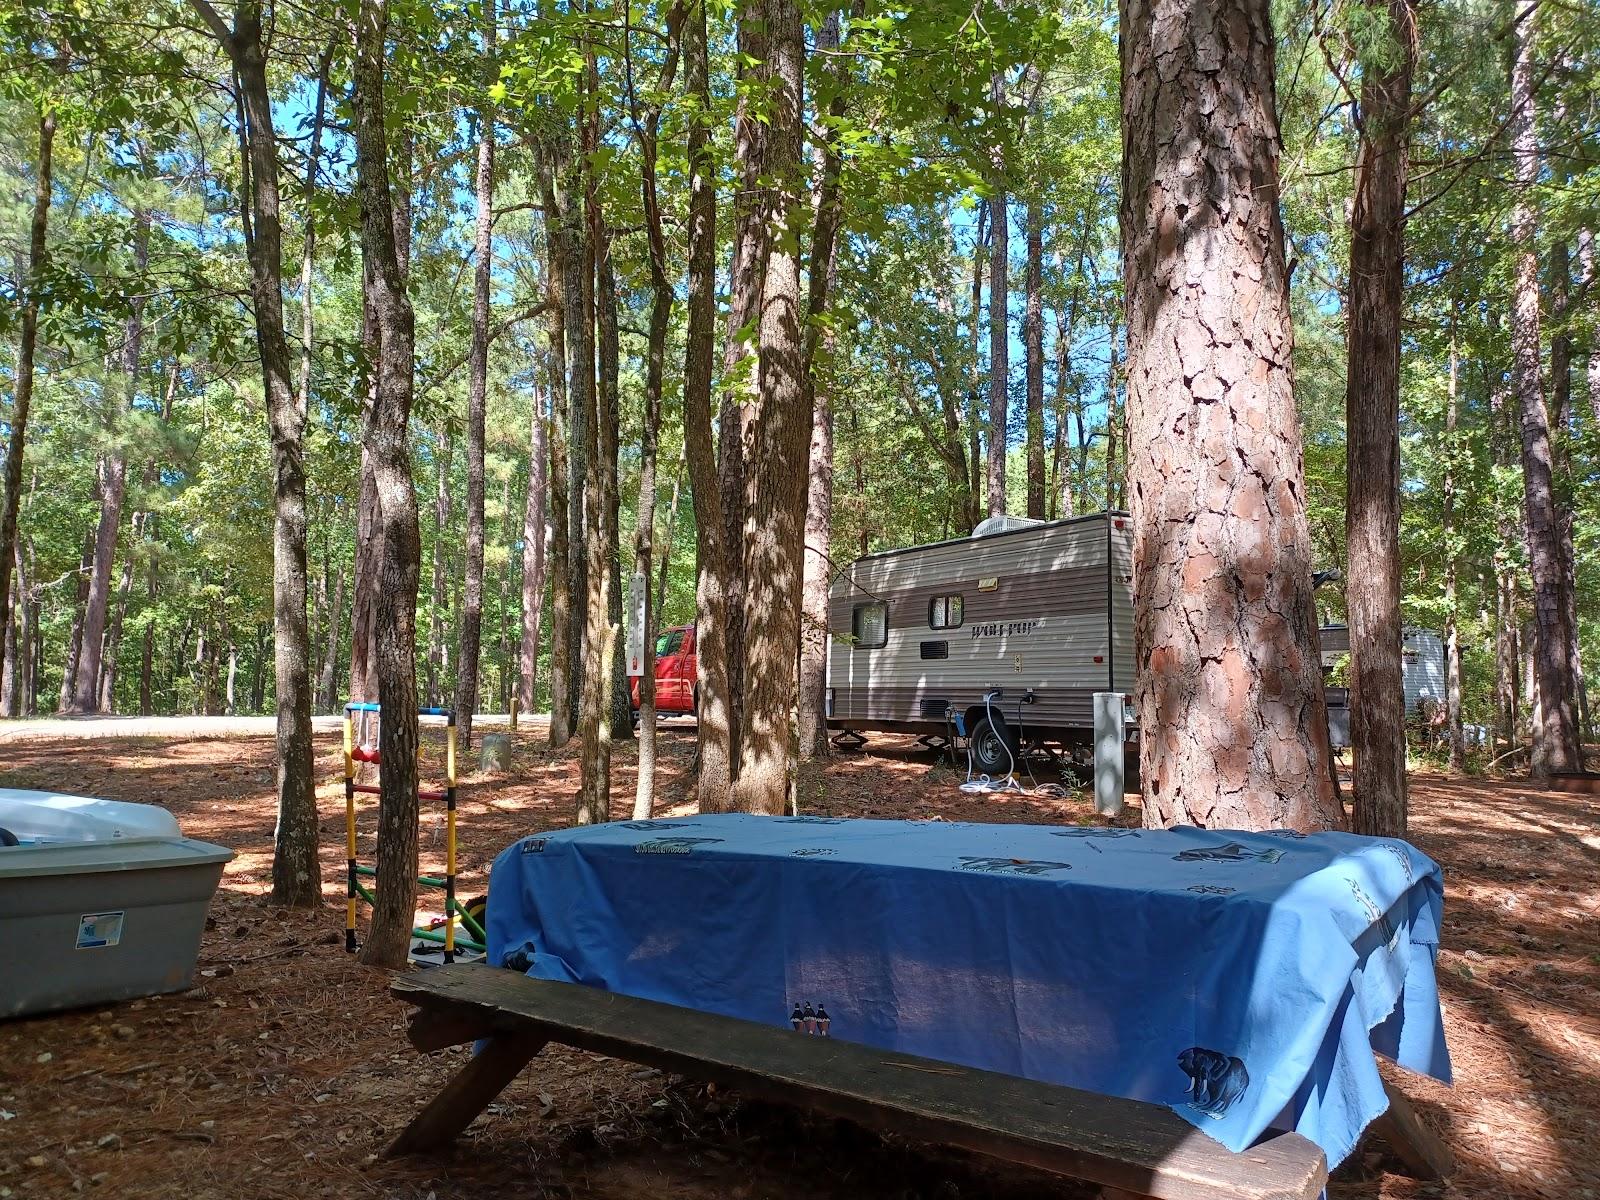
x=1421 y=661
x=1002 y=636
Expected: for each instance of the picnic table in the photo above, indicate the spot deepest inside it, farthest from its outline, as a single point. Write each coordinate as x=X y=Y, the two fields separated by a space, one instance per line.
x=1242 y=981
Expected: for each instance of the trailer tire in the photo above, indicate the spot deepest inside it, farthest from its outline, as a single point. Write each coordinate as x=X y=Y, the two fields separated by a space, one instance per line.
x=994 y=748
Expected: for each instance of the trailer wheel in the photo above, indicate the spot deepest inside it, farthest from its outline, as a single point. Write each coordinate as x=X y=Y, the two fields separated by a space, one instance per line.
x=994 y=748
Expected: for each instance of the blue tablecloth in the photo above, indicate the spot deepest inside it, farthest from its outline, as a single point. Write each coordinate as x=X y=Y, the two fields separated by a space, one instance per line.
x=1244 y=979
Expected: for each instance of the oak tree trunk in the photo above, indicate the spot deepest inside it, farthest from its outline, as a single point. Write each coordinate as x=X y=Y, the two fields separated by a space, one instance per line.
x=714 y=547
x=776 y=491
x=1372 y=420
x=661 y=297
x=1233 y=727
x=822 y=275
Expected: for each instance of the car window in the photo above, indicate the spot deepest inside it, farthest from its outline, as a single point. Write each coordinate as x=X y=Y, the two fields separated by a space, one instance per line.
x=669 y=642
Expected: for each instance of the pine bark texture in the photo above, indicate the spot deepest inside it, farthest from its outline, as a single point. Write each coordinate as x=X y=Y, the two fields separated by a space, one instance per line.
x=1372 y=421
x=397 y=530
x=1555 y=733
x=466 y=697
x=113 y=487
x=1452 y=639
x=557 y=272
x=1033 y=347
x=28 y=338
x=714 y=704
x=999 y=333
x=776 y=496
x=594 y=725
x=1233 y=726
x=533 y=549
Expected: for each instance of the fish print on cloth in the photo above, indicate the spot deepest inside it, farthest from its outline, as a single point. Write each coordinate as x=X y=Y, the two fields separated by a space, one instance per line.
x=1216 y=1080
x=1011 y=866
x=652 y=826
x=1231 y=852
x=1094 y=831
x=672 y=845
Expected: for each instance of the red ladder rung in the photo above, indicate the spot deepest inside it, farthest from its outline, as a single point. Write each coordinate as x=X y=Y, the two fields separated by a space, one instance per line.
x=431 y=794
x=370 y=789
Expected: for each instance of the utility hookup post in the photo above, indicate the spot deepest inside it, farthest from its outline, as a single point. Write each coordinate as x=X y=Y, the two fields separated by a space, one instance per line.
x=1108 y=751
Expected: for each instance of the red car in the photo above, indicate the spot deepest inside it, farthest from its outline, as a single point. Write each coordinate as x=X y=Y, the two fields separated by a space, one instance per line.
x=675 y=669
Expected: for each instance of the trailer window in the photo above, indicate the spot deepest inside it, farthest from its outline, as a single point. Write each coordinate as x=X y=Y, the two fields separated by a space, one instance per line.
x=944 y=612
x=869 y=623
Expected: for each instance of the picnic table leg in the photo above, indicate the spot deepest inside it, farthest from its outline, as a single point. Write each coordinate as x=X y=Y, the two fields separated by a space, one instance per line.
x=1418 y=1147
x=468 y=1093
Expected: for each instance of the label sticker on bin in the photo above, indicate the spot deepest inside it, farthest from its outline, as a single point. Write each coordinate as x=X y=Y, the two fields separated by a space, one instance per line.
x=98 y=930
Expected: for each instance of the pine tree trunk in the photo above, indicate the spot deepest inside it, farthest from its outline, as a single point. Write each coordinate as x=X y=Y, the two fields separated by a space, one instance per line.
x=10 y=660
x=1372 y=418
x=563 y=651
x=368 y=563
x=69 y=669
x=1586 y=276
x=1458 y=745
x=713 y=570
x=147 y=652
x=1033 y=344
x=398 y=536
x=466 y=698
x=22 y=385
x=822 y=276
x=1555 y=733
x=999 y=329
x=533 y=539
x=1066 y=481
x=1561 y=394
x=113 y=488
x=594 y=724
x=1116 y=496
x=437 y=655
x=1233 y=727
x=609 y=408
x=975 y=483
x=580 y=406
x=330 y=659
x=776 y=520
x=113 y=640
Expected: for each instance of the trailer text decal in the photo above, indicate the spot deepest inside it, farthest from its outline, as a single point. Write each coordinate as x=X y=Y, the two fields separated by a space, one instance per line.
x=1006 y=628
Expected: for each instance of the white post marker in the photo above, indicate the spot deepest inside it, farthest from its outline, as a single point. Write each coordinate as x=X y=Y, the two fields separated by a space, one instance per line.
x=1108 y=750
x=636 y=625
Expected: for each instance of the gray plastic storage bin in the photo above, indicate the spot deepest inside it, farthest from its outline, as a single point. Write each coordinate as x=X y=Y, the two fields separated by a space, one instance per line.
x=94 y=922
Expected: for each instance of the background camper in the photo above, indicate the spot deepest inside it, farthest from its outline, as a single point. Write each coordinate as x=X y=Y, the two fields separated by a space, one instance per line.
x=1003 y=637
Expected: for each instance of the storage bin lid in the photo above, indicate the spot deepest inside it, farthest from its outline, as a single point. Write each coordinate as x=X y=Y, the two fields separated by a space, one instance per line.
x=54 y=817
x=81 y=858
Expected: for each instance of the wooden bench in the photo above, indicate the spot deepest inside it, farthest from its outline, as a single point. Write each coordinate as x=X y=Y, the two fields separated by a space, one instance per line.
x=1128 y=1147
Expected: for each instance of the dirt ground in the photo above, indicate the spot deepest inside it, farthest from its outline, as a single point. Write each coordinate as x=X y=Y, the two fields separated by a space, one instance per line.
x=286 y=1070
